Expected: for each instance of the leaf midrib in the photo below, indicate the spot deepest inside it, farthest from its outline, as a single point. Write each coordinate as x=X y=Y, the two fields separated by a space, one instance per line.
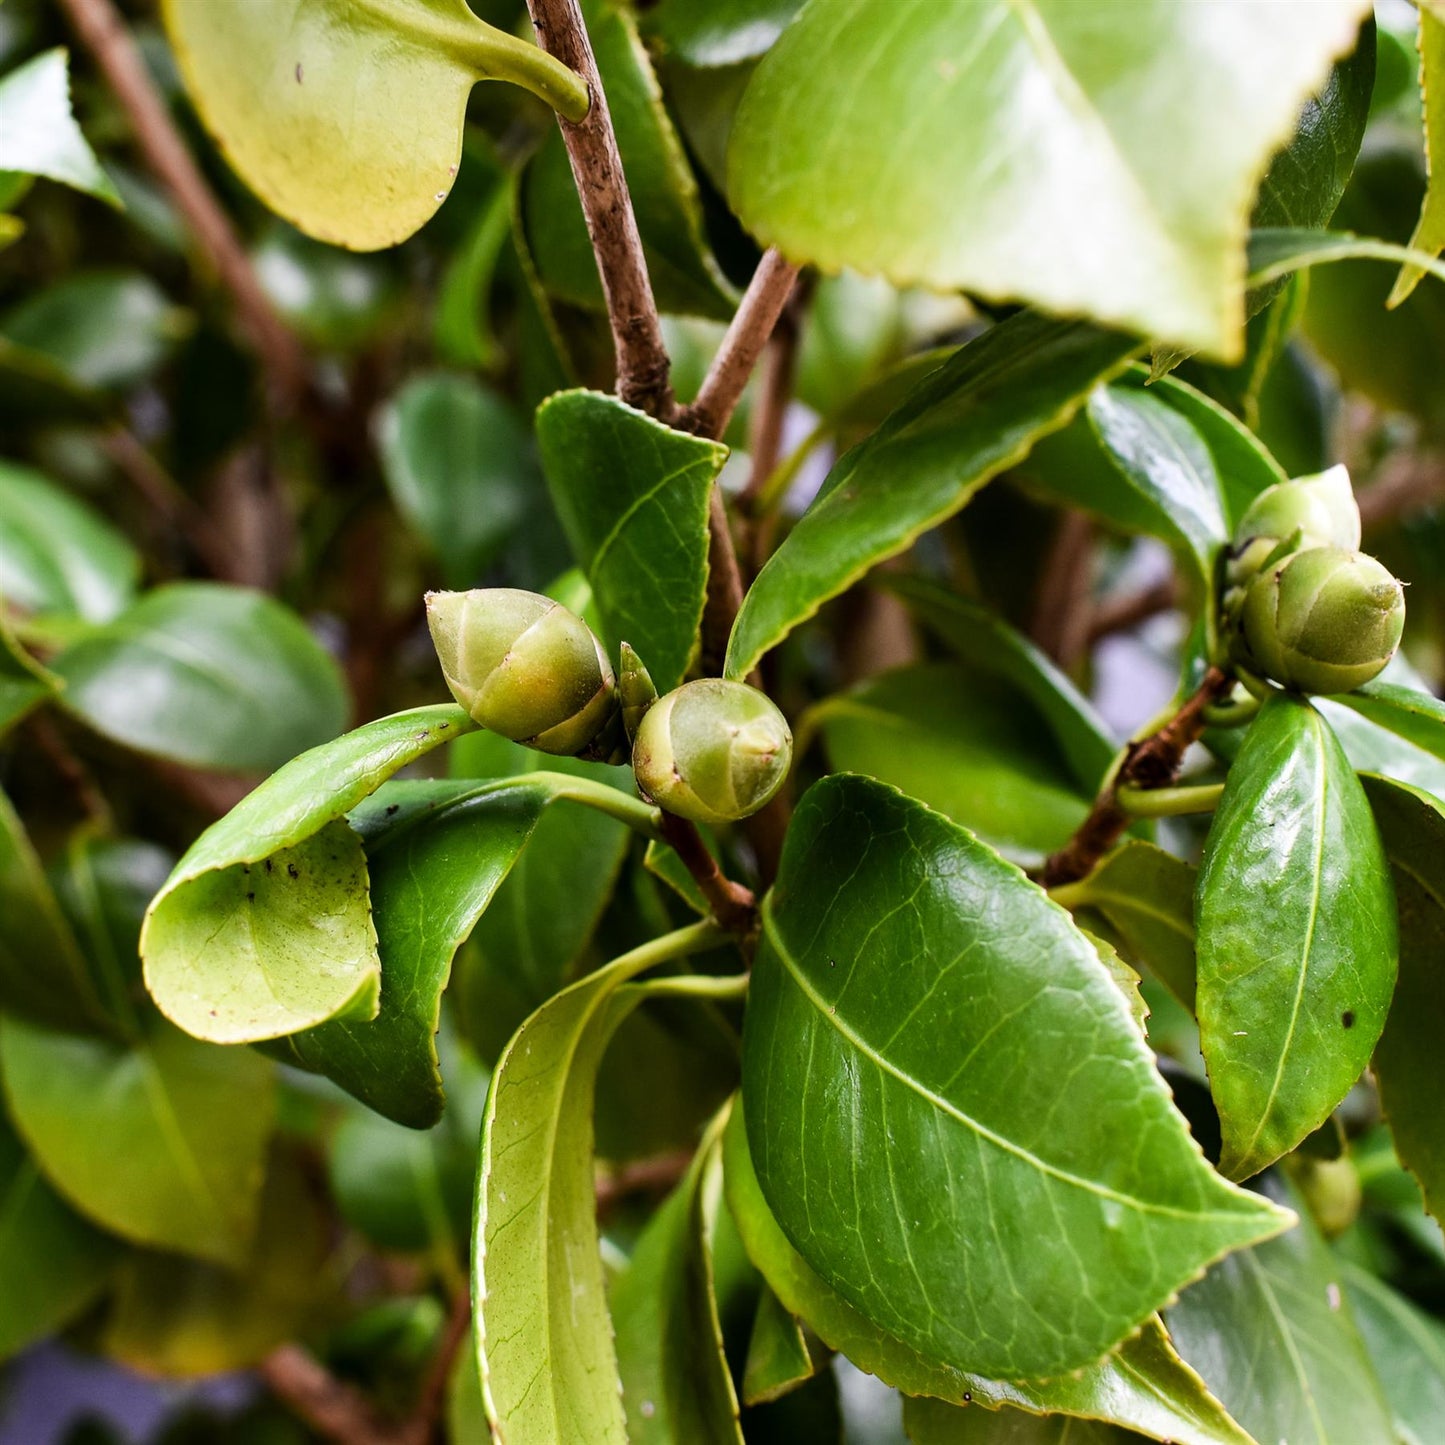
x=1076 y=1181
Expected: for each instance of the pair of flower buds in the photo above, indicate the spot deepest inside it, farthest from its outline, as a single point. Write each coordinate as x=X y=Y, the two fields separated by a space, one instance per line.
x=1302 y=605
x=525 y=667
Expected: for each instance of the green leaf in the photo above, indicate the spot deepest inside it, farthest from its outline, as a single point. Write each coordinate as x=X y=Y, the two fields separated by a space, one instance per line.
x=210 y=675
x=676 y=1389
x=238 y=968
x=986 y=642
x=1142 y=1384
x=1407 y=1347
x=685 y=276
x=459 y=467
x=44 y=976
x=1147 y=897
x=964 y=742
x=1418 y=717
x=1135 y=130
x=107 y=331
x=1168 y=462
x=162 y=1143
x=24 y=684
x=185 y=1317
x=1407 y=1061
x=549 y=1371
x=975 y=416
x=1296 y=936
x=436 y=854
x=38 y=133
x=714 y=33
x=1277 y=253
x=56 y=555
x=346 y=118
x=906 y=986
x=52 y=1263
x=1270 y=1330
x=633 y=495
x=778 y=1358
x=1372 y=748
x=1429 y=236
x=931 y=1422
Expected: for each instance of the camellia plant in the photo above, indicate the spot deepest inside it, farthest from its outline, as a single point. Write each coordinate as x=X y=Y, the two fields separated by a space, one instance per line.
x=585 y=858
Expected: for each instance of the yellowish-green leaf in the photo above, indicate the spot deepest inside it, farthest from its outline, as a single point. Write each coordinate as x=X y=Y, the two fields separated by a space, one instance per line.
x=1430 y=231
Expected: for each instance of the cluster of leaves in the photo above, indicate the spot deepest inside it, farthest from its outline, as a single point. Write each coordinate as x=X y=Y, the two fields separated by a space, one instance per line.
x=987 y=1142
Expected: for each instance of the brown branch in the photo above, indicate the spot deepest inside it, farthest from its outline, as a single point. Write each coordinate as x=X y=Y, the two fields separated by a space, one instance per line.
x=329 y=1406
x=1123 y=614
x=643 y=366
x=746 y=339
x=643 y=1176
x=1060 y=622
x=1406 y=482
x=425 y=1419
x=1153 y=762
x=733 y=906
x=103 y=31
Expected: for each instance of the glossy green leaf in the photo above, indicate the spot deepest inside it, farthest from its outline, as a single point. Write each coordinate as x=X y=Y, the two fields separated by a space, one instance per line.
x=52 y=1263
x=209 y=675
x=976 y=415
x=685 y=276
x=712 y=33
x=1277 y=253
x=1166 y=460
x=1408 y=1066
x=633 y=498
x=1143 y=1384
x=778 y=1357
x=24 y=684
x=1271 y=1332
x=38 y=133
x=162 y=1143
x=56 y=555
x=1373 y=748
x=1418 y=717
x=105 y=330
x=1407 y=1348
x=1429 y=235
x=460 y=468
x=932 y=1422
x=544 y=1338
x=1147 y=897
x=1134 y=129
x=344 y=117
x=233 y=967
x=905 y=988
x=1296 y=936
x=44 y=976
x=187 y=1317
x=852 y=333
x=676 y=1389
x=986 y=642
x=964 y=742
x=436 y=853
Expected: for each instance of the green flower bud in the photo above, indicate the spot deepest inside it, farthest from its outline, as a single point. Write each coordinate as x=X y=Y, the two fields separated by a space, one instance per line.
x=1322 y=507
x=523 y=666
x=1322 y=620
x=635 y=688
x=712 y=751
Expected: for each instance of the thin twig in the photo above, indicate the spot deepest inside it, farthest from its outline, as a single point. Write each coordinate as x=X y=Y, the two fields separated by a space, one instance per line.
x=103 y=31
x=331 y=1407
x=643 y=366
x=1153 y=762
x=746 y=339
x=733 y=906
x=1061 y=617
x=643 y=1176
x=422 y=1428
x=1123 y=614
x=1406 y=482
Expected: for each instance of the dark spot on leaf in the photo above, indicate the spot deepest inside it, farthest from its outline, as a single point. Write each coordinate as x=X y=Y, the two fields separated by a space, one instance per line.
x=1348 y=1018
x=250 y=898
x=298 y=72
x=967 y=1398
x=393 y=810
x=269 y=865
x=291 y=871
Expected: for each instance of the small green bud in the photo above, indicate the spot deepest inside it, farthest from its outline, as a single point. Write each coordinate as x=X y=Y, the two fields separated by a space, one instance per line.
x=636 y=689
x=712 y=751
x=1322 y=507
x=523 y=666
x=1322 y=620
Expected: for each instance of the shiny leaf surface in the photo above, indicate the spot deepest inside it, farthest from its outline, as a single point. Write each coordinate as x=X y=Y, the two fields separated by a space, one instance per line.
x=38 y=133
x=886 y=916
x=1296 y=936
x=976 y=415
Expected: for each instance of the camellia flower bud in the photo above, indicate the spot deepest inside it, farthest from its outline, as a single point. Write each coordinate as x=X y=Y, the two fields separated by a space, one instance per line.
x=1322 y=507
x=712 y=751
x=1322 y=620
x=523 y=666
